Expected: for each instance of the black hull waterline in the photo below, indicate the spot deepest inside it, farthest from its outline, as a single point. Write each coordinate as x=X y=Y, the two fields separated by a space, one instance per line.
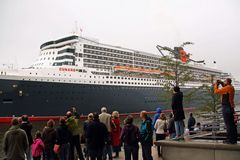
x=51 y=98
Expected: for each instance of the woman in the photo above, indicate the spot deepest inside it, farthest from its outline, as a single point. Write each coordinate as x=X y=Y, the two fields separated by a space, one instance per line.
x=130 y=137
x=49 y=139
x=115 y=134
x=160 y=127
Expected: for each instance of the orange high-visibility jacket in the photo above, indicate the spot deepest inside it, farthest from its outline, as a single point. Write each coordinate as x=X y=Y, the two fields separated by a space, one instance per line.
x=227 y=93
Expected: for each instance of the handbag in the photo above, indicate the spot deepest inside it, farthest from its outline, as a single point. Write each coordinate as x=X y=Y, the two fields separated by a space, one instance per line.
x=56 y=148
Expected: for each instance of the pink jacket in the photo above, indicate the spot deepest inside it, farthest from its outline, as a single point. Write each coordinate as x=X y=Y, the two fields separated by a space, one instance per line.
x=37 y=147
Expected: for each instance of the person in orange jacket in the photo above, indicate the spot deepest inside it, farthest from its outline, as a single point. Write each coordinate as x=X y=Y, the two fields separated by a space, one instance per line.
x=227 y=91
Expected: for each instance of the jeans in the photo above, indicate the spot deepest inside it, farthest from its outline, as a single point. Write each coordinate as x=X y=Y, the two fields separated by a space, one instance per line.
x=49 y=154
x=75 y=141
x=179 y=127
x=64 y=151
x=107 y=151
x=95 y=154
x=147 y=151
x=131 y=151
x=229 y=123
x=172 y=135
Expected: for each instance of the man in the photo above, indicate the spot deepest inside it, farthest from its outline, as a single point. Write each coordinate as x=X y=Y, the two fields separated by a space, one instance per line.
x=27 y=127
x=191 y=122
x=227 y=91
x=15 y=142
x=156 y=115
x=105 y=118
x=96 y=136
x=73 y=125
x=146 y=136
x=177 y=107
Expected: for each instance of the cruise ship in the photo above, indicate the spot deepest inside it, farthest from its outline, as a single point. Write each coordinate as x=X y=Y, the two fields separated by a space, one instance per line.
x=84 y=73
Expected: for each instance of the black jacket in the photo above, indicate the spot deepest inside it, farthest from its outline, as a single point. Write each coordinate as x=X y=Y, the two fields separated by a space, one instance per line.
x=63 y=134
x=49 y=137
x=171 y=127
x=96 y=135
x=177 y=106
x=191 y=123
x=27 y=127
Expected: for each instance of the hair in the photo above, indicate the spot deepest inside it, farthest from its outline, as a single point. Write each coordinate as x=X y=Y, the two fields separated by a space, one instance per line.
x=24 y=118
x=69 y=114
x=95 y=116
x=129 y=119
x=198 y=124
x=191 y=114
x=50 y=123
x=90 y=116
x=38 y=135
x=14 y=122
x=176 y=89
x=115 y=114
x=144 y=114
x=103 y=109
x=163 y=116
x=229 y=80
x=62 y=120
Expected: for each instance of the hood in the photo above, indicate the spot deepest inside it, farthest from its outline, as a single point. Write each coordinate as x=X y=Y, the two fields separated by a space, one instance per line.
x=158 y=110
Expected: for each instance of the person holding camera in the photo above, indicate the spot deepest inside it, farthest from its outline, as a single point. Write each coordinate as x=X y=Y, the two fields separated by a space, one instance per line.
x=227 y=91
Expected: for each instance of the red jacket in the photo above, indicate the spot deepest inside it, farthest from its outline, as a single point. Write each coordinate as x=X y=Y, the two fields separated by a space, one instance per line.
x=116 y=130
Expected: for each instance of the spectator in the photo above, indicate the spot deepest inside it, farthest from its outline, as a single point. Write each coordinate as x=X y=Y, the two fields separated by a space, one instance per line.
x=156 y=115
x=27 y=127
x=116 y=130
x=63 y=137
x=85 y=128
x=171 y=127
x=177 y=107
x=75 y=113
x=105 y=118
x=37 y=147
x=73 y=126
x=130 y=137
x=161 y=128
x=227 y=91
x=191 y=122
x=146 y=136
x=15 y=142
x=49 y=139
x=96 y=135
x=198 y=127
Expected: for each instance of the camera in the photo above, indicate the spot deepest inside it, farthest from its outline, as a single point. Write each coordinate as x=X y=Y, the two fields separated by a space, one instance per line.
x=220 y=82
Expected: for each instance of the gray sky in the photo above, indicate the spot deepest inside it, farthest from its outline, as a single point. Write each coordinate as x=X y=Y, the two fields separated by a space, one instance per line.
x=213 y=25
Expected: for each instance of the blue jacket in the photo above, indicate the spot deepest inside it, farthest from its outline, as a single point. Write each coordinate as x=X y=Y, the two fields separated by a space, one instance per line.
x=146 y=131
x=156 y=116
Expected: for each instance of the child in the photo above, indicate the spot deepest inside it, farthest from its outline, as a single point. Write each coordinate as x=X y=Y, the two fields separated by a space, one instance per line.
x=37 y=147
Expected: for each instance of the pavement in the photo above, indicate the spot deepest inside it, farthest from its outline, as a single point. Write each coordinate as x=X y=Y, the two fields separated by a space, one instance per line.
x=154 y=154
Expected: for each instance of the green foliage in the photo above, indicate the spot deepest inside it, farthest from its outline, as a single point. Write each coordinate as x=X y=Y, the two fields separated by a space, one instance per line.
x=212 y=100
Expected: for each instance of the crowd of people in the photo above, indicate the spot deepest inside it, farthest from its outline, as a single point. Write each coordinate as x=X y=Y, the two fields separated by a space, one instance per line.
x=102 y=136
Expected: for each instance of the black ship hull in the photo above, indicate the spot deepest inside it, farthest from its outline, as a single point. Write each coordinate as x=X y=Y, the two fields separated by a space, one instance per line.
x=51 y=98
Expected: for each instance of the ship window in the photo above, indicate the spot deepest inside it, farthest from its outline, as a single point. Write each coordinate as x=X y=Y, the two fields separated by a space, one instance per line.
x=125 y=82
x=110 y=81
x=30 y=73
